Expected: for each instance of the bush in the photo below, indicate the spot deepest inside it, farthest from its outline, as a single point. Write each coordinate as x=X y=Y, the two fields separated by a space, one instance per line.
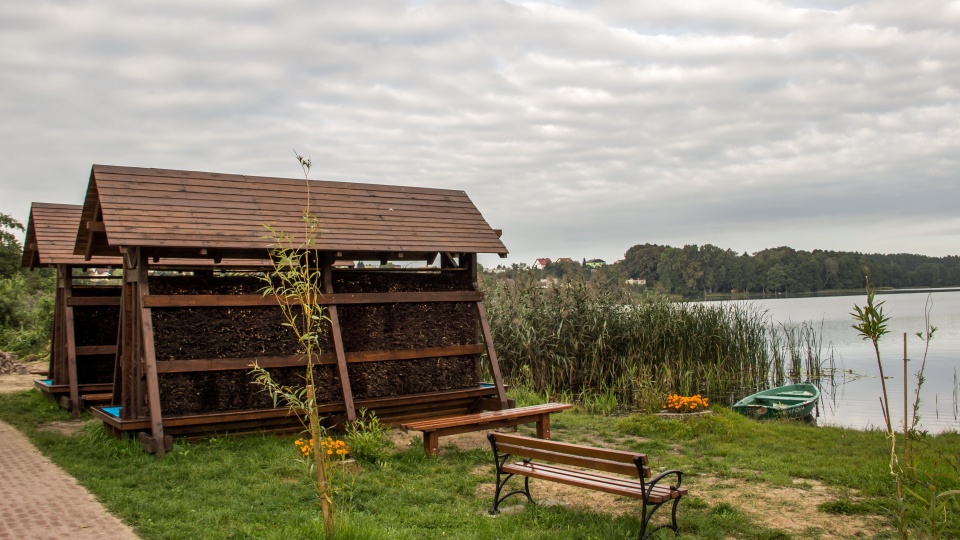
x=367 y=438
x=26 y=313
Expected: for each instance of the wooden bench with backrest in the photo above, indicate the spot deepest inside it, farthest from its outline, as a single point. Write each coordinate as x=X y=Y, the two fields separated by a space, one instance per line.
x=542 y=459
x=435 y=428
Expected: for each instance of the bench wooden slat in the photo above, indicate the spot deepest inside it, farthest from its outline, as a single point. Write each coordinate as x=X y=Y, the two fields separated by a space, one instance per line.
x=595 y=482
x=434 y=428
x=588 y=451
x=627 y=483
x=569 y=459
x=483 y=417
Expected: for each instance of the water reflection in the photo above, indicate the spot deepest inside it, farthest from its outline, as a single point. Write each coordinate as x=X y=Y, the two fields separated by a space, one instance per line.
x=852 y=399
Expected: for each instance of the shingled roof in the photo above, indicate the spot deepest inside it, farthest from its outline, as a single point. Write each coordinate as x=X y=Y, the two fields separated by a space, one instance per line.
x=51 y=235
x=181 y=211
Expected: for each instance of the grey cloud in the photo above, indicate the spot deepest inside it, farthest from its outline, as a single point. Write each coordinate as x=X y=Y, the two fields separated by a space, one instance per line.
x=579 y=128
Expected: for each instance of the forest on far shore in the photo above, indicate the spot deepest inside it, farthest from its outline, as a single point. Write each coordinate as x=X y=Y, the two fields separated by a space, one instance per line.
x=694 y=270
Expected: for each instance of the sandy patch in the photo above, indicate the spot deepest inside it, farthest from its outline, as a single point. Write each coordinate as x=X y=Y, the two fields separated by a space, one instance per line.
x=15 y=382
x=68 y=429
x=793 y=509
x=464 y=441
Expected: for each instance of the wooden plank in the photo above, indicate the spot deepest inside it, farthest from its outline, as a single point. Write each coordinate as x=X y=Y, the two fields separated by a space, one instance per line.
x=88 y=350
x=71 y=349
x=568 y=459
x=410 y=354
x=555 y=446
x=93 y=301
x=232 y=364
x=150 y=359
x=253 y=300
x=337 y=336
x=492 y=355
x=426 y=397
x=479 y=418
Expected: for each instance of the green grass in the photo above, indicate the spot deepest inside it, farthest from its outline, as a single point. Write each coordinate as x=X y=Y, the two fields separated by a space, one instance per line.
x=252 y=487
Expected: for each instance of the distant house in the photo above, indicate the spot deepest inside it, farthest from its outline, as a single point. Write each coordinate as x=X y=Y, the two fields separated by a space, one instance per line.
x=637 y=282
x=540 y=264
x=564 y=260
x=596 y=263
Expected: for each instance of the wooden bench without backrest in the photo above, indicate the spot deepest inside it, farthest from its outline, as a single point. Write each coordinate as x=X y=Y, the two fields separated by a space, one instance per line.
x=539 y=458
x=435 y=428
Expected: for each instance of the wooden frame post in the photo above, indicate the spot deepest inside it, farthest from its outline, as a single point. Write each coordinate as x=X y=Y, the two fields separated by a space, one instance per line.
x=126 y=377
x=327 y=269
x=157 y=442
x=69 y=335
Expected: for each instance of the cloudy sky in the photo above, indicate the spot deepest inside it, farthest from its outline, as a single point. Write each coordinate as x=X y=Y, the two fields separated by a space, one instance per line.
x=579 y=128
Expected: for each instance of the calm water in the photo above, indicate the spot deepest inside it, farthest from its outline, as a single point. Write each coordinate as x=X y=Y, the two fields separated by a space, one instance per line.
x=854 y=400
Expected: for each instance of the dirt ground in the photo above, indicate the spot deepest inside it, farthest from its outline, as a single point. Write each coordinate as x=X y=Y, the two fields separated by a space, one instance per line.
x=14 y=382
x=792 y=508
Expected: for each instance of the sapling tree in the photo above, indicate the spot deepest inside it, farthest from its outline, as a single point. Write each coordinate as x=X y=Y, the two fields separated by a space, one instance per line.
x=872 y=326
x=295 y=282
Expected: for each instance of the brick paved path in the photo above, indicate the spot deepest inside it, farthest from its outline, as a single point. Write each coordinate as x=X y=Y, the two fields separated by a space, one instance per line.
x=39 y=500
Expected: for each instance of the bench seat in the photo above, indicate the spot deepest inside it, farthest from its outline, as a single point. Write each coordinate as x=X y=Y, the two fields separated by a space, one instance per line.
x=435 y=428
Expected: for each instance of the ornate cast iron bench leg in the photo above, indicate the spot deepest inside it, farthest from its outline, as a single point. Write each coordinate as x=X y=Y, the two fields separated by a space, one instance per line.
x=502 y=480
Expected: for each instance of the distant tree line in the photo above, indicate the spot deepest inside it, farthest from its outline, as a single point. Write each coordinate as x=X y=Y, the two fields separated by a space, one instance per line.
x=694 y=270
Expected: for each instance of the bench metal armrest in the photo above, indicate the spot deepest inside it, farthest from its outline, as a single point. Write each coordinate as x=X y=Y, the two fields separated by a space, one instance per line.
x=647 y=486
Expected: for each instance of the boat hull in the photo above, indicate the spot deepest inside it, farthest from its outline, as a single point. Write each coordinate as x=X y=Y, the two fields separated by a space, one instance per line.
x=791 y=401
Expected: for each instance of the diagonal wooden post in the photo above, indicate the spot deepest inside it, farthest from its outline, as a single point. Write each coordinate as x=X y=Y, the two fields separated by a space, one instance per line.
x=469 y=261
x=327 y=269
x=149 y=358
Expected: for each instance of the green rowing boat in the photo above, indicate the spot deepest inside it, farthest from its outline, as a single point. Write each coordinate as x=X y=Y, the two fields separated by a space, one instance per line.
x=791 y=401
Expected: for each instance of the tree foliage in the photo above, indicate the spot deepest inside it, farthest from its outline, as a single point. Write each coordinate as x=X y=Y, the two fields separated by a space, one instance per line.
x=10 y=249
x=693 y=270
x=26 y=298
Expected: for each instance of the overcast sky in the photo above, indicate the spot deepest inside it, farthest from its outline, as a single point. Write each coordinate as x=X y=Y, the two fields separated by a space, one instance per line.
x=579 y=128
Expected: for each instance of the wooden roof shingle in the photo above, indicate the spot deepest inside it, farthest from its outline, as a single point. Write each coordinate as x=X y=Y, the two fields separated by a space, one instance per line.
x=184 y=210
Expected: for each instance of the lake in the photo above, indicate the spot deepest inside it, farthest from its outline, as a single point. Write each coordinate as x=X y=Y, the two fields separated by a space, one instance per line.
x=853 y=398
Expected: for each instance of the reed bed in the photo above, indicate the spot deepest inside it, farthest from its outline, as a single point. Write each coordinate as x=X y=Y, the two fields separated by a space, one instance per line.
x=595 y=345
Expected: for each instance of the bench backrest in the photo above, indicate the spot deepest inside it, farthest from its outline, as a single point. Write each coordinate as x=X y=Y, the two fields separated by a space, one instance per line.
x=589 y=457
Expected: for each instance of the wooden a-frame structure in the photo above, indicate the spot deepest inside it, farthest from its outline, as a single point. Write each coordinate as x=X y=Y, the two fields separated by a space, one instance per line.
x=146 y=214
x=50 y=240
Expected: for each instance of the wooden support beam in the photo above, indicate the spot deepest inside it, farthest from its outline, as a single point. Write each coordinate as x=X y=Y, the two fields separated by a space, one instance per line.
x=150 y=362
x=96 y=226
x=469 y=261
x=88 y=350
x=71 y=348
x=253 y=300
x=88 y=253
x=327 y=269
x=93 y=301
x=232 y=364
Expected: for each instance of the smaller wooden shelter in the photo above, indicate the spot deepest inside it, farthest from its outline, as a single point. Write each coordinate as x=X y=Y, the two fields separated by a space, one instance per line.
x=403 y=339
x=86 y=308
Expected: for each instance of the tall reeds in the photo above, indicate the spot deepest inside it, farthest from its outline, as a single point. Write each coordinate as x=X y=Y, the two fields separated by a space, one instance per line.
x=576 y=339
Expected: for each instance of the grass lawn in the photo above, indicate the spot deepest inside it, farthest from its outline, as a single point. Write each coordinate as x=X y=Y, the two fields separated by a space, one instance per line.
x=747 y=480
